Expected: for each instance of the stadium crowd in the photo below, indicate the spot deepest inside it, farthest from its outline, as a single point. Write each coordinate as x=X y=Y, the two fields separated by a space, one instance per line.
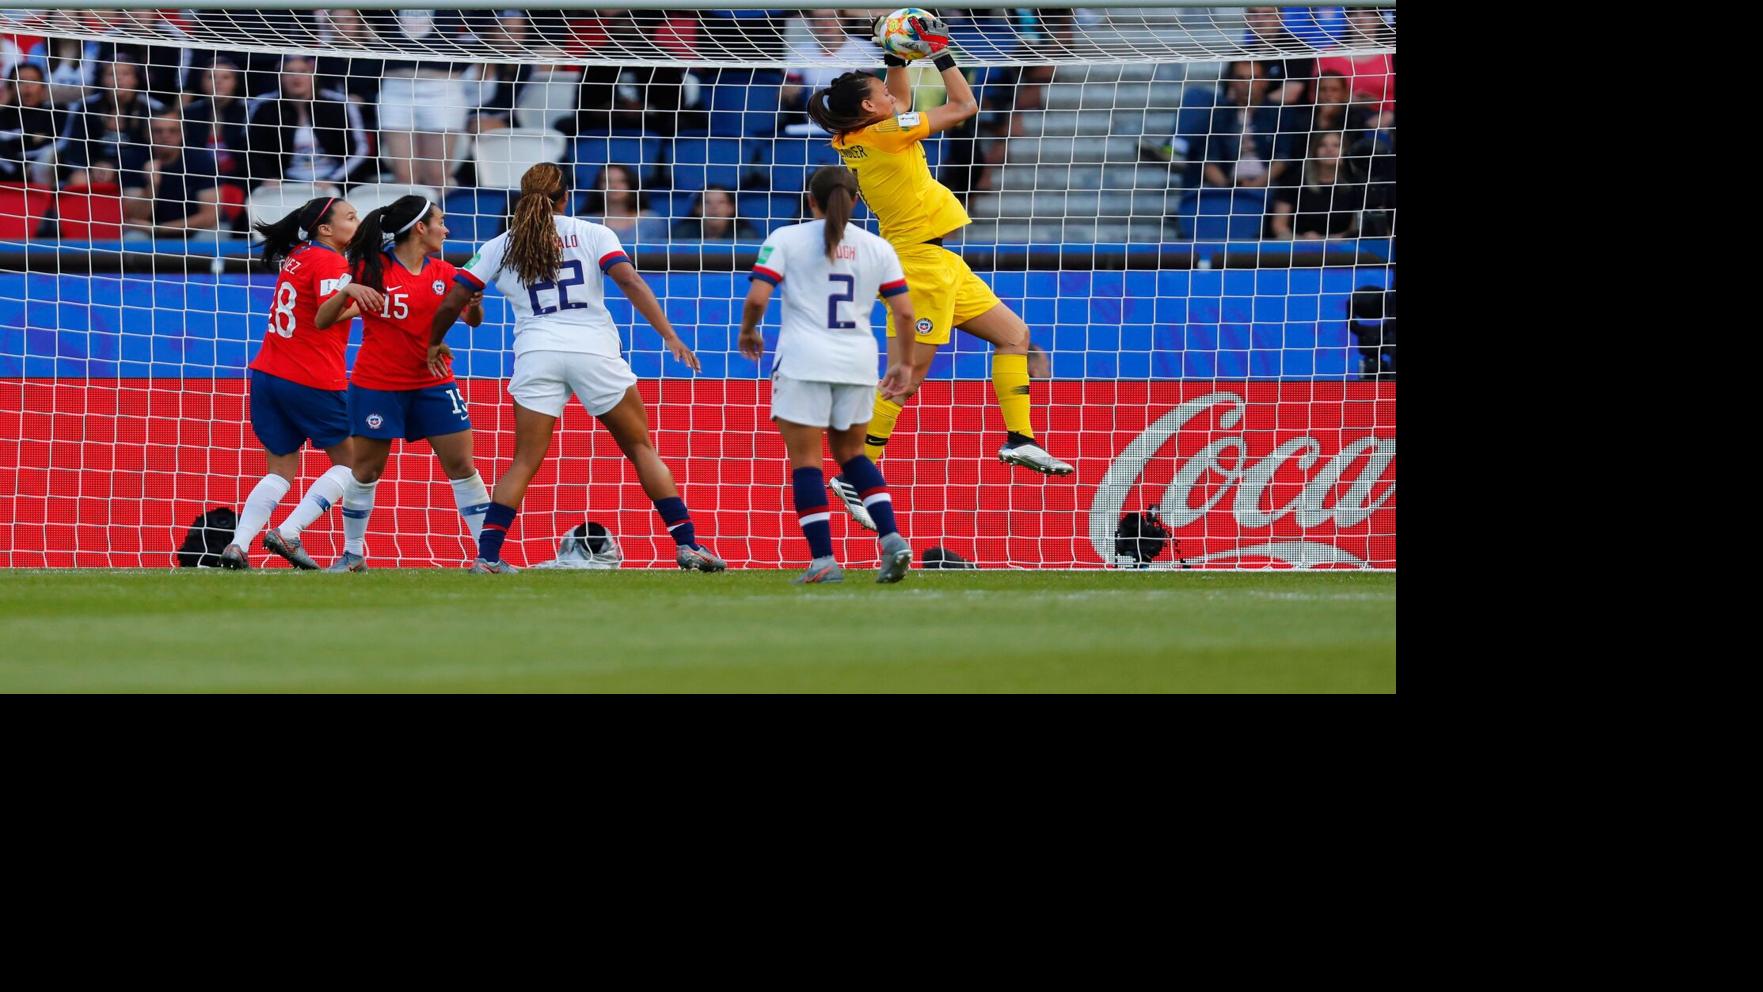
x=185 y=132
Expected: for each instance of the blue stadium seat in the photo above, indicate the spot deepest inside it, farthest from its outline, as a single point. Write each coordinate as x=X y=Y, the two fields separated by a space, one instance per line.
x=593 y=151
x=790 y=161
x=1222 y=214
x=699 y=162
x=475 y=215
x=744 y=102
x=769 y=211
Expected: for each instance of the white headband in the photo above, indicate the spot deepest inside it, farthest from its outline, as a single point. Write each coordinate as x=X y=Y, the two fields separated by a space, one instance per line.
x=427 y=205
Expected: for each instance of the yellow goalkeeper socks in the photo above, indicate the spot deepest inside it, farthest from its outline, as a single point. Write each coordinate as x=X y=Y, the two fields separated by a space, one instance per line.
x=881 y=427
x=1010 y=382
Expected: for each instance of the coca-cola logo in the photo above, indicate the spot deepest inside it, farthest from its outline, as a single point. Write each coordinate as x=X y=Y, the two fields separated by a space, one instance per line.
x=1230 y=471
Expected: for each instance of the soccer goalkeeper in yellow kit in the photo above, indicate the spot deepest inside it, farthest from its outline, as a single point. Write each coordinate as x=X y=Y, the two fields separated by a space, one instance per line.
x=877 y=135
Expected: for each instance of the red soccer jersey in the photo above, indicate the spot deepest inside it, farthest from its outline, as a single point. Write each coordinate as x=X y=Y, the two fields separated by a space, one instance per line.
x=294 y=348
x=394 y=351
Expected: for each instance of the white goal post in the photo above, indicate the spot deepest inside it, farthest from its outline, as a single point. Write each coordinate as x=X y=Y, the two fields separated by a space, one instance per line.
x=1191 y=206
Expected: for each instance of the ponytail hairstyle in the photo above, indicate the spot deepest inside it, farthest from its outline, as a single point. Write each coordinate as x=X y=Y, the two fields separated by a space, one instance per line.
x=286 y=234
x=834 y=189
x=839 y=107
x=534 y=253
x=382 y=228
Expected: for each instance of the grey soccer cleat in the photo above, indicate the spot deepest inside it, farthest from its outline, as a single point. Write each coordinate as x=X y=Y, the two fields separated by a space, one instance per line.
x=234 y=557
x=853 y=502
x=485 y=567
x=820 y=570
x=348 y=563
x=289 y=548
x=896 y=559
x=699 y=559
x=1030 y=455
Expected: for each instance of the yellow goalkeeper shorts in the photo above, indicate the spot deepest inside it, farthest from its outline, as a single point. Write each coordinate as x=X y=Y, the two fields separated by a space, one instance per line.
x=945 y=292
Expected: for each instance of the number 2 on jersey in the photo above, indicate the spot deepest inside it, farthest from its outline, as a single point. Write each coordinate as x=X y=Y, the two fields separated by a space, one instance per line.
x=562 y=288
x=833 y=301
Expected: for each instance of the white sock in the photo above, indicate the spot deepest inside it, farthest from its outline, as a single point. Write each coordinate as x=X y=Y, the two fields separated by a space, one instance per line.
x=324 y=492
x=357 y=506
x=473 y=501
x=258 y=506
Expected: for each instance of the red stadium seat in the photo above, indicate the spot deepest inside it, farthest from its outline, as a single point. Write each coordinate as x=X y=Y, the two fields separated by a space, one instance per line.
x=90 y=213
x=22 y=209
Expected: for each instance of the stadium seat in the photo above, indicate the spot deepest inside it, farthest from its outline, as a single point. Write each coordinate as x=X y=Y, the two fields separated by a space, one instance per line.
x=90 y=213
x=476 y=215
x=593 y=152
x=22 y=209
x=372 y=196
x=791 y=161
x=547 y=99
x=271 y=202
x=504 y=154
x=745 y=103
x=700 y=162
x=769 y=211
x=1222 y=214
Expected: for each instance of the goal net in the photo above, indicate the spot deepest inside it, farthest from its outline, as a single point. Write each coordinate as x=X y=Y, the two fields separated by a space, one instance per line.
x=1192 y=208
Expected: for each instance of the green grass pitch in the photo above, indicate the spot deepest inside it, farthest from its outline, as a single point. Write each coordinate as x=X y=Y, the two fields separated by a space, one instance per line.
x=427 y=630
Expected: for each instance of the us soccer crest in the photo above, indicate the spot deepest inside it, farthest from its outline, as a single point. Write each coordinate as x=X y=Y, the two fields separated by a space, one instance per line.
x=440 y=287
x=924 y=326
x=374 y=420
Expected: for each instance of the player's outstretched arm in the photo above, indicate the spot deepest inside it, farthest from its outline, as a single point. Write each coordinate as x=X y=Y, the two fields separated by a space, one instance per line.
x=752 y=343
x=899 y=381
x=643 y=298
x=962 y=103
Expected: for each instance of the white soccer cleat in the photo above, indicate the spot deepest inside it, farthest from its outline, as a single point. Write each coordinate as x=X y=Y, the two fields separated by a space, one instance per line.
x=1033 y=456
x=485 y=567
x=853 y=502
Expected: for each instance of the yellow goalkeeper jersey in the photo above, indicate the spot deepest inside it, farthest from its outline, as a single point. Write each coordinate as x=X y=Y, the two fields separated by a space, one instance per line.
x=896 y=182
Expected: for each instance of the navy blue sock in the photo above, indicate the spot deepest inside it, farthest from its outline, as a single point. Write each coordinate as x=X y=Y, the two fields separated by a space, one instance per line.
x=497 y=520
x=678 y=521
x=862 y=474
x=812 y=511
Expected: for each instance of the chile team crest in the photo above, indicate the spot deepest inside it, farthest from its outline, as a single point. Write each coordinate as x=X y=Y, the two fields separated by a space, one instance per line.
x=440 y=287
x=374 y=420
x=924 y=325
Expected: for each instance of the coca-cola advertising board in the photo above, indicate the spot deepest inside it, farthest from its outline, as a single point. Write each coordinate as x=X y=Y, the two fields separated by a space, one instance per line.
x=110 y=472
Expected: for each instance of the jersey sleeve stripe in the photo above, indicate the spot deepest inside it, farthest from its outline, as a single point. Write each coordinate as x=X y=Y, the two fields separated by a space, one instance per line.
x=611 y=258
x=894 y=288
x=467 y=280
x=761 y=272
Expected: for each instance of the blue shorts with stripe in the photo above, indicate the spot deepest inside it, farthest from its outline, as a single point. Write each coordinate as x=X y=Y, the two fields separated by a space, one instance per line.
x=411 y=414
x=285 y=415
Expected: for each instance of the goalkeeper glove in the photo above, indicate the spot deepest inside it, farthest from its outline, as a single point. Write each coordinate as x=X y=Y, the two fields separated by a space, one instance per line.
x=932 y=31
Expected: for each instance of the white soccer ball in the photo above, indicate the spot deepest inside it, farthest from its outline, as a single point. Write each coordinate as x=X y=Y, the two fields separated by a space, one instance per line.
x=899 y=37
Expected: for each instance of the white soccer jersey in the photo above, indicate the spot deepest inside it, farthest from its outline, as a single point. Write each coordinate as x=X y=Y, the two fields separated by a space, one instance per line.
x=825 y=335
x=569 y=312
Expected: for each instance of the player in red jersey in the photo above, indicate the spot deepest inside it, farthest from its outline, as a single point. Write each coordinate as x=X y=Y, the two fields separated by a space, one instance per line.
x=393 y=392
x=297 y=379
